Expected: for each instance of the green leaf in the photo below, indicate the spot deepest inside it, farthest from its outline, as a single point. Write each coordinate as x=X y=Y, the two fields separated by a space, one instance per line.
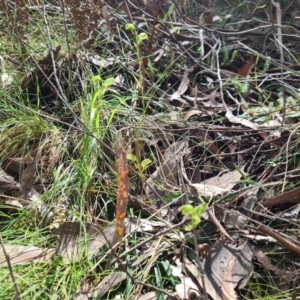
x=166 y=265
x=187 y=209
x=194 y=213
x=142 y=36
x=199 y=210
x=130 y=27
x=131 y=157
x=97 y=78
x=112 y=114
x=189 y=227
x=109 y=81
x=145 y=163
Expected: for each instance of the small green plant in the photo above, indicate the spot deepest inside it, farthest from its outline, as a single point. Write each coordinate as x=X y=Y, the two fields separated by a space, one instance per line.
x=227 y=60
x=139 y=38
x=92 y=115
x=140 y=165
x=194 y=213
x=92 y=108
x=267 y=64
x=241 y=86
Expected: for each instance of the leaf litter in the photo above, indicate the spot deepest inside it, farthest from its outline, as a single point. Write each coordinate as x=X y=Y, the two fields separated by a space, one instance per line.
x=221 y=127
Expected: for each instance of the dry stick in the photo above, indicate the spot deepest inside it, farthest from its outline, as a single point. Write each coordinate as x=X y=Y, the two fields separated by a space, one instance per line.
x=66 y=34
x=211 y=213
x=287 y=70
x=124 y=269
x=228 y=110
x=150 y=263
x=249 y=17
x=199 y=265
x=183 y=37
x=184 y=176
x=140 y=62
x=61 y=92
x=270 y=215
x=170 y=34
x=114 y=244
x=124 y=254
x=128 y=12
x=287 y=155
x=28 y=175
x=145 y=241
x=77 y=120
x=156 y=289
x=62 y=122
x=278 y=41
x=18 y=295
x=112 y=248
x=194 y=24
x=278 y=236
x=210 y=209
x=292 y=196
x=154 y=236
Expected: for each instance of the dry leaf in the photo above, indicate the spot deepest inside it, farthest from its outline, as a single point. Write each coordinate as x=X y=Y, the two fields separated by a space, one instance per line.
x=28 y=175
x=203 y=249
x=20 y=254
x=166 y=174
x=197 y=275
x=237 y=120
x=218 y=185
x=148 y=296
x=144 y=225
x=231 y=218
x=182 y=87
x=228 y=267
x=108 y=283
x=187 y=285
x=6 y=179
x=191 y=113
x=76 y=239
x=284 y=277
x=7 y=182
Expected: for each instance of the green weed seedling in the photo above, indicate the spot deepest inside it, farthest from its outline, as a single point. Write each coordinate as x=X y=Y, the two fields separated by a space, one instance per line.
x=194 y=213
x=140 y=165
x=138 y=41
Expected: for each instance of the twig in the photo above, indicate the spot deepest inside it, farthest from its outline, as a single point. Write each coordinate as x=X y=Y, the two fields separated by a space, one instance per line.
x=295 y=131
x=61 y=92
x=156 y=289
x=67 y=35
x=279 y=237
x=83 y=131
x=278 y=41
x=128 y=11
x=169 y=33
x=199 y=265
x=292 y=196
x=211 y=213
x=210 y=209
x=18 y=294
x=152 y=237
